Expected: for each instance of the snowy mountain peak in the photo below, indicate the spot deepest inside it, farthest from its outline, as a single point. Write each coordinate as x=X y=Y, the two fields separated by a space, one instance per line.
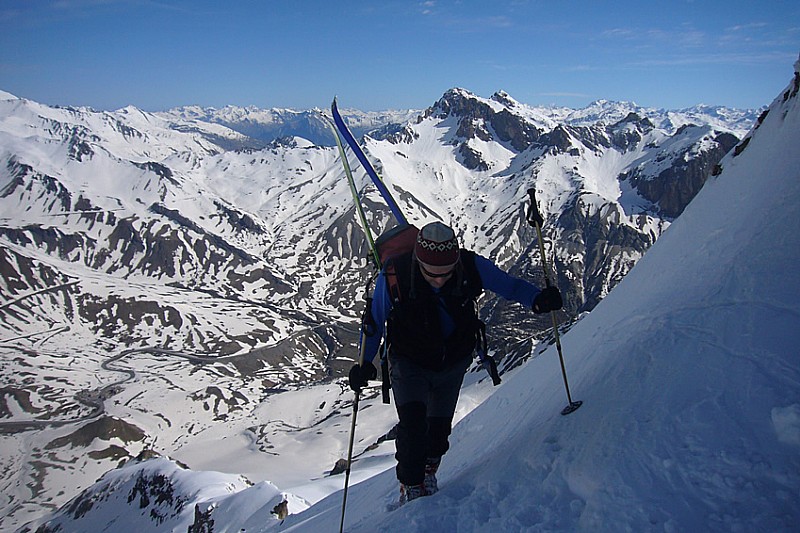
x=635 y=119
x=458 y=101
x=505 y=99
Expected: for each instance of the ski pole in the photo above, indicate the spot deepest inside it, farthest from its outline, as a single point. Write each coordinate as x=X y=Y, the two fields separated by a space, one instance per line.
x=349 y=458
x=357 y=395
x=535 y=219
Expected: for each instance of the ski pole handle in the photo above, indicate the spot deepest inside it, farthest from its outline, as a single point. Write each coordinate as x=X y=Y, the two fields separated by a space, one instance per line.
x=534 y=217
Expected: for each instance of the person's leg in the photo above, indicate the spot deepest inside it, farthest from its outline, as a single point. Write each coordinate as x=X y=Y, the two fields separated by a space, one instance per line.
x=411 y=443
x=410 y=385
x=442 y=401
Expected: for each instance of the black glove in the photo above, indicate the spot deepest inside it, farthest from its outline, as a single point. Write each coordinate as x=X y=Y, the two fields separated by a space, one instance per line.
x=360 y=375
x=547 y=300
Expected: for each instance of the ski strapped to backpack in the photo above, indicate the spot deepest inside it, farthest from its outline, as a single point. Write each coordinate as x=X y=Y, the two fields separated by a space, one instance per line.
x=370 y=170
x=353 y=190
x=364 y=331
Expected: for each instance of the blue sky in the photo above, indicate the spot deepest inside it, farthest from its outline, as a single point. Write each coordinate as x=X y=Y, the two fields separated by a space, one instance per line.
x=395 y=54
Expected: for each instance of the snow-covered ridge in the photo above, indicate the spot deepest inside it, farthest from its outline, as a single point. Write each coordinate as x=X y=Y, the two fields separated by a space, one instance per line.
x=737 y=121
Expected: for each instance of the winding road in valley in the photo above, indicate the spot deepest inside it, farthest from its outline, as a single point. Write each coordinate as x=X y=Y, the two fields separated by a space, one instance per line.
x=95 y=399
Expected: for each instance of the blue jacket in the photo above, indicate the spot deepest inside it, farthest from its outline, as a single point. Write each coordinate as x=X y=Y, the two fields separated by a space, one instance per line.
x=492 y=277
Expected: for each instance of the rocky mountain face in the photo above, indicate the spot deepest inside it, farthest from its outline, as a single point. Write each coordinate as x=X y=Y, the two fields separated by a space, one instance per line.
x=170 y=272
x=609 y=189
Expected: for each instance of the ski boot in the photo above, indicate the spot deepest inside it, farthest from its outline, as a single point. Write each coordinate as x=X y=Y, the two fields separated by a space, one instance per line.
x=411 y=492
x=430 y=483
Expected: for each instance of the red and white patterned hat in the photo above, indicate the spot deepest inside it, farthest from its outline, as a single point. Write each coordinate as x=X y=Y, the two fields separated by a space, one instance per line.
x=436 y=245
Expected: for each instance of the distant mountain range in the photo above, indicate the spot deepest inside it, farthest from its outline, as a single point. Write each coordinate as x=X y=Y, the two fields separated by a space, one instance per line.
x=163 y=273
x=267 y=125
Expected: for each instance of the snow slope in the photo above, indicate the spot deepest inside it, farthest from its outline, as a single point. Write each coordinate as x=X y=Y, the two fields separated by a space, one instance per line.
x=690 y=380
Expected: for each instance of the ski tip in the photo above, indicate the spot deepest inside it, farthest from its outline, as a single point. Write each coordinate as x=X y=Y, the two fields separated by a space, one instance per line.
x=571 y=408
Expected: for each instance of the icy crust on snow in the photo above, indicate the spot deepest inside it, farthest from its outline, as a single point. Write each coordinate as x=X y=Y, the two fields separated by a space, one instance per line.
x=786 y=421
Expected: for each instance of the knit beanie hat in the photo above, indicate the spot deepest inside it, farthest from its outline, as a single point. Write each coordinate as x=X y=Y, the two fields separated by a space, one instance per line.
x=436 y=245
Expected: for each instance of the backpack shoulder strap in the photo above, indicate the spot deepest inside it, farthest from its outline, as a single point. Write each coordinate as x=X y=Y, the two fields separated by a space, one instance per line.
x=393 y=270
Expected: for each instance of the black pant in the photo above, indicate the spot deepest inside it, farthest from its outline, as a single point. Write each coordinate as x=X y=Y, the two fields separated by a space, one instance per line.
x=425 y=400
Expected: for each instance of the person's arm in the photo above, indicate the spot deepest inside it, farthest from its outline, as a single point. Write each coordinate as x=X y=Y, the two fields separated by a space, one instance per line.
x=381 y=305
x=360 y=375
x=498 y=281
